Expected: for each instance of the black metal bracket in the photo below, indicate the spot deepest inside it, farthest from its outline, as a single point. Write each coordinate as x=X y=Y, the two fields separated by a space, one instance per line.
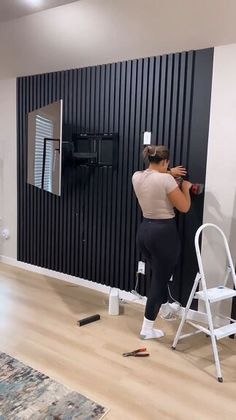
x=46 y=139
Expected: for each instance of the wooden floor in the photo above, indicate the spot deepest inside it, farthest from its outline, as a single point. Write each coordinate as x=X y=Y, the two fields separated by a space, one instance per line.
x=38 y=318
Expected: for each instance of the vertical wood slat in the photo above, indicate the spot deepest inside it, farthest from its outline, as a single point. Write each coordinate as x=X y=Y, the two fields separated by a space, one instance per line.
x=89 y=231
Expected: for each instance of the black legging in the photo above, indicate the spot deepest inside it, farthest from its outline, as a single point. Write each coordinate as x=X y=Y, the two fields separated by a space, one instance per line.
x=158 y=240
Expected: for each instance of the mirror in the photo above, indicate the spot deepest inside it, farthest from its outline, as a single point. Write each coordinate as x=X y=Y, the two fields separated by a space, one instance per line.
x=45 y=147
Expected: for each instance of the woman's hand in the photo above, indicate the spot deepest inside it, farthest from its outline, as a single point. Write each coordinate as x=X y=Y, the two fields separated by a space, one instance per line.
x=178 y=171
x=186 y=185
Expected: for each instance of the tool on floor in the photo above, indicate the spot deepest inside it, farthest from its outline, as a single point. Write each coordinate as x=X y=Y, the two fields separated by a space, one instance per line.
x=137 y=353
x=210 y=296
x=87 y=320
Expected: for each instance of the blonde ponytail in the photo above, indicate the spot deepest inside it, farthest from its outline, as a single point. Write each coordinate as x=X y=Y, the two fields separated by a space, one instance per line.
x=156 y=153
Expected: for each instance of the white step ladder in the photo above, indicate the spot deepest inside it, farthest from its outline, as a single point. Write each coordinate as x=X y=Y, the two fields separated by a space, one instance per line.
x=209 y=296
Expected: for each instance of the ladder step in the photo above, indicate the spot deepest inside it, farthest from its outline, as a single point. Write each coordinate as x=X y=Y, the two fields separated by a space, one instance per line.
x=225 y=331
x=216 y=294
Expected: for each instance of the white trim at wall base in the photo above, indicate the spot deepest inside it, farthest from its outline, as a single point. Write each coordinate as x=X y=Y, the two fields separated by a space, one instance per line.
x=125 y=296
x=201 y=317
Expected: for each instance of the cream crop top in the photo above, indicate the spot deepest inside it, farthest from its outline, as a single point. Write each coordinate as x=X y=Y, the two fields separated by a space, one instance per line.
x=151 y=189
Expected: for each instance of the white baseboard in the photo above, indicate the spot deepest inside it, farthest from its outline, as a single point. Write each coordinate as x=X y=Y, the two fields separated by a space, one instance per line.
x=195 y=315
x=198 y=316
x=125 y=296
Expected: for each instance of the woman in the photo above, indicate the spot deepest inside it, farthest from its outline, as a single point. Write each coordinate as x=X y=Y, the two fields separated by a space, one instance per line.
x=158 y=194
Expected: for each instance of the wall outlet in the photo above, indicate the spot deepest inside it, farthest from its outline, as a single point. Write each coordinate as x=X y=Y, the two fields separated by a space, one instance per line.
x=5 y=233
x=141 y=267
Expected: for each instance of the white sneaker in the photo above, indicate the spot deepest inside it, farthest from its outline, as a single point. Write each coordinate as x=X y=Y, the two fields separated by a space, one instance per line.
x=169 y=311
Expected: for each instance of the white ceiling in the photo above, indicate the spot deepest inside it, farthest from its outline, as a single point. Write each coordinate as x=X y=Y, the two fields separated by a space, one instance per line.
x=13 y=9
x=90 y=32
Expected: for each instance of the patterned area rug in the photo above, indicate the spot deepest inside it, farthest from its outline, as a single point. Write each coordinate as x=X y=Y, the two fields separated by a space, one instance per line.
x=26 y=393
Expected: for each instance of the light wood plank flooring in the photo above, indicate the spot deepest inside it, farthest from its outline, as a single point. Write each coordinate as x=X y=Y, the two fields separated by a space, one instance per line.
x=38 y=318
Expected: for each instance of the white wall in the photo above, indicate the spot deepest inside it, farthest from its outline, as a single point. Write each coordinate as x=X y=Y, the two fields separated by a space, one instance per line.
x=8 y=177
x=220 y=196
x=90 y=32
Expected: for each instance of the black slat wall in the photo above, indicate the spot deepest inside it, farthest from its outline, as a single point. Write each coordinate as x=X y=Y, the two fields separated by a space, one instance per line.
x=90 y=230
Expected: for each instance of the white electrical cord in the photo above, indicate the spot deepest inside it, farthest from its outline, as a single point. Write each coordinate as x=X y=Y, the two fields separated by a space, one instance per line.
x=174 y=300
x=134 y=292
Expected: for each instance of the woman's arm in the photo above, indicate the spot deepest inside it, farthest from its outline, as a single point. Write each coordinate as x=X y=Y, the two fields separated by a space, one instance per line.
x=180 y=199
x=177 y=171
